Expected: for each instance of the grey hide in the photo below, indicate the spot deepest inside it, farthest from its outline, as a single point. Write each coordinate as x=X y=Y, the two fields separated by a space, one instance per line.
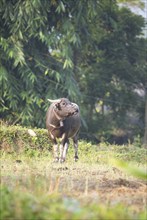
x=63 y=122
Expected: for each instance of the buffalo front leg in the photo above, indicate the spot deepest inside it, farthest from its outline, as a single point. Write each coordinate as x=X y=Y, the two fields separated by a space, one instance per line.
x=75 y=141
x=65 y=149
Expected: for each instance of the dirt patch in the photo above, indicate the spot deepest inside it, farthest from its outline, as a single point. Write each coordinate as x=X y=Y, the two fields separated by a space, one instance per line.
x=108 y=183
x=97 y=186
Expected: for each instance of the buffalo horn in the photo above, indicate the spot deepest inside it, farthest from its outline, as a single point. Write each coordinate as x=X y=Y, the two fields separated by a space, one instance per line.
x=53 y=101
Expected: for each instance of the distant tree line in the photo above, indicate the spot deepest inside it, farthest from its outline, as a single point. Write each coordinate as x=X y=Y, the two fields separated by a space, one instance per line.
x=91 y=51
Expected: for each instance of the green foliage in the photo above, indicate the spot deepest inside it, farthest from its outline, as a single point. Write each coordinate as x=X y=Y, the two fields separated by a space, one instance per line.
x=114 y=73
x=30 y=70
x=90 y=51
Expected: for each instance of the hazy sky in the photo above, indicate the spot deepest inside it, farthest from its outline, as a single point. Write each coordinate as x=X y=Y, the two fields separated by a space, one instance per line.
x=142 y=12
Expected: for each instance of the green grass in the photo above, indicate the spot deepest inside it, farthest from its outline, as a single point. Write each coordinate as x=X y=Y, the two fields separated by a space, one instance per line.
x=33 y=187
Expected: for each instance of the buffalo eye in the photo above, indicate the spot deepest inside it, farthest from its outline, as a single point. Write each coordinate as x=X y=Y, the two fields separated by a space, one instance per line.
x=63 y=103
x=58 y=106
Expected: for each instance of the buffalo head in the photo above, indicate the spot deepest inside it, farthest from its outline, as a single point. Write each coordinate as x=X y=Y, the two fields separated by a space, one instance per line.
x=64 y=108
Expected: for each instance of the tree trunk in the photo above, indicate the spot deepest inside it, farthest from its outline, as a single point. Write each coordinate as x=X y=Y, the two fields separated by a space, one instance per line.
x=145 y=127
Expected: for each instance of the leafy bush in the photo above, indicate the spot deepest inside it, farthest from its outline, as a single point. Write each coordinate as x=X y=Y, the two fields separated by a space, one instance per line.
x=18 y=139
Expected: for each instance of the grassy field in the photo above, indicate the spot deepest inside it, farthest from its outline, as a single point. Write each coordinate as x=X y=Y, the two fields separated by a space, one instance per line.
x=33 y=187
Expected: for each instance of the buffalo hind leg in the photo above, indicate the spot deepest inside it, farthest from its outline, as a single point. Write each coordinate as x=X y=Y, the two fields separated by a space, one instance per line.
x=61 y=153
x=75 y=141
x=65 y=150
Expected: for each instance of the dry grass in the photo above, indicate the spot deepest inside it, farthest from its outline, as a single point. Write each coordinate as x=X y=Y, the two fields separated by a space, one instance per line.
x=87 y=182
x=38 y=188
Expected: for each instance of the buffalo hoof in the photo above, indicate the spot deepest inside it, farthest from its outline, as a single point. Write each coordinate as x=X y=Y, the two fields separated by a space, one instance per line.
x=61 y=160
x=76 y=158
x=56 y=160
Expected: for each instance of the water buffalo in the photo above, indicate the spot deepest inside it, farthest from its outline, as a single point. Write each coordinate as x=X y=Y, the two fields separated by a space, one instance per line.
x=63 y=121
